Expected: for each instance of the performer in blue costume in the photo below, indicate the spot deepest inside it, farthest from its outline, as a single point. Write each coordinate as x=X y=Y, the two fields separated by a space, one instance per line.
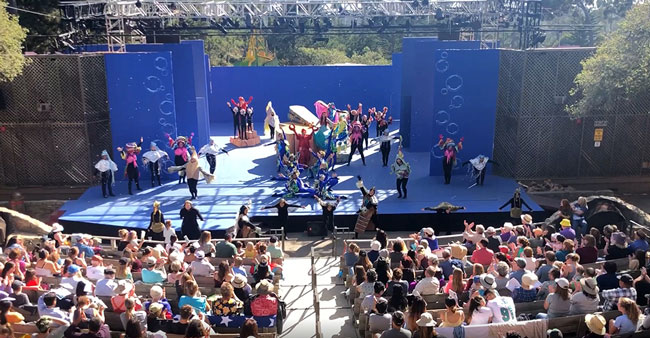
x=296 y=187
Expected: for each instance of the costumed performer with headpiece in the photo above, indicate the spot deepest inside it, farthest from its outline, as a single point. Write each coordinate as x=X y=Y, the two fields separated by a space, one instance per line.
x=181 y=153
x=368 y=210
x=156 y=223
x=450 y=149
x=211 y=150
x=151 y=159
x=384 y=145
x=130 y=155
x=194 y=172
x=516 y=202
x=356 y=141
x=304 y=143
x=366 y=121
x=479 y=167
x=249 y=119
x=106 y=169
x=382 y=121
x=271 y=122
x=402 y=170
x=242 y=106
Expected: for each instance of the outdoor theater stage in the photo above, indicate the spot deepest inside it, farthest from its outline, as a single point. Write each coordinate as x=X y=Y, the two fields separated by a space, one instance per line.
x=245 y=174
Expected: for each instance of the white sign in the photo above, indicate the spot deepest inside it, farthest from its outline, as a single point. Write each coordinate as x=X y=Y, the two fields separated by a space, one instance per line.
x=597 y=144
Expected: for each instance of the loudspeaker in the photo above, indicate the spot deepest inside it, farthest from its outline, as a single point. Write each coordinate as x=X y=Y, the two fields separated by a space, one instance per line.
x=3 y=103
x=315 y=228
x=163 y=38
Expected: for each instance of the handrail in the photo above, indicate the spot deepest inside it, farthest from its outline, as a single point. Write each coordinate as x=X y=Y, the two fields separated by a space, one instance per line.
x=314 y=286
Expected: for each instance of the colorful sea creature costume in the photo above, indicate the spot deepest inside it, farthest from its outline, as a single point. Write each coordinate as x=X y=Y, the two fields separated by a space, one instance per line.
x=211 y=150
x=271 y=122
x=181 y=153
x=130 y=155
x=304 y=143
x=478 y=168
x=450 y=149
x=106 y=169
x=356 y=141
x=152 y=159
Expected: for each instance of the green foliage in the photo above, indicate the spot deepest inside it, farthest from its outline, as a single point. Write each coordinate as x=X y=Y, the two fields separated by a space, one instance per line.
x=39 y=24
x=12 y=36
x=619 y=72
x=225 y=50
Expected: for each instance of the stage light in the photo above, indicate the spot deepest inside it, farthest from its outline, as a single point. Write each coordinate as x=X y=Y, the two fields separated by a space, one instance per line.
x=172 y=6
x=439 y=15
x=425 y=2
x=138 y=4
x=301 y=26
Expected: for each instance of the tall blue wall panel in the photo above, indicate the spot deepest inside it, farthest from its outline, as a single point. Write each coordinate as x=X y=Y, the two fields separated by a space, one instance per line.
x=423 y=66
x=396 y=86
x=300 y=85
x=412 y=76
x=464 y=96
x=141 y=101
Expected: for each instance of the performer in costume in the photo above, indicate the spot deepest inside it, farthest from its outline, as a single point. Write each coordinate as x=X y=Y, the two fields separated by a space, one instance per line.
x=304 y=143
x=156 y=223
x=211 y=150
x=402 y=170
x=181 y=154
x=443 y=211
x=449 y=157
x=365 y=122
x=355 y=115
x=328 y=214
x=194 y=172
x=130 y=155
x=356 y=141
x=516 y=203
x=382 y=121
x=249 y=119
x=106 y=169
x=296 y=187
x=384 y=141
x=243 y=228
x=368 y=210
x=283 y=211
x=242 y=106
x=478 y=169
x=190 y=226
x=151 y=159
x=272 y=122
x=235 y=118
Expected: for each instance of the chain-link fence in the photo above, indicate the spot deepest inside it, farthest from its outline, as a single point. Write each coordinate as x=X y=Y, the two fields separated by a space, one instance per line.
x=55 y=121
x=535 y=138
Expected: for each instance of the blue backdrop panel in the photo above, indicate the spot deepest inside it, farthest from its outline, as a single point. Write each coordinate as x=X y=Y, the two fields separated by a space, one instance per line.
x=189 y=87
x=411 y=76
x=300 y=85
x=141 y=102
x=396 y=86
x=422 y=99
x=465 y=94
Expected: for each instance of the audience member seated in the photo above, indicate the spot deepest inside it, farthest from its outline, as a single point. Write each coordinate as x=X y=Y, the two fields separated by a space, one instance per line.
x=527 y=292
x=397 y=330
x=369 y=302
x=558 y=302
x=201 y=266
x=596 y=325
x=425 y=327
x=503 y=308
x=628 y=321
x=266 y=302
x=608 y=280
x=616 y=247
x=397 y=280
x=482 y=254
x=157 y=294
x=96 y=329
x=416 y=309
x=429 y=285
x=588 y=251
x=625 y=289
x=155 y=271
x=227 y=305
x=241 y=287
x=398 y=301
x=380 y=319
x=453 y=316
x=225 y=248
x=478 y=312
x=194 y=298
x=587 y=300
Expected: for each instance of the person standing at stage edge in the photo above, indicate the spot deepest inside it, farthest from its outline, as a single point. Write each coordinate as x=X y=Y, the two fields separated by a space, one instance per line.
x=283 y=211
x=156 y=223
x=190 y=226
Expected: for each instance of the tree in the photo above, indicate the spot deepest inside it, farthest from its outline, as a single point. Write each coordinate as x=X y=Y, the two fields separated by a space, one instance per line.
x=12 y=36
x=43 y=25
x=619 y=72
x=225 y=50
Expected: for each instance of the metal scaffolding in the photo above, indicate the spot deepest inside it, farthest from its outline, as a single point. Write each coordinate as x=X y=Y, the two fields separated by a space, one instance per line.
x=120 y=15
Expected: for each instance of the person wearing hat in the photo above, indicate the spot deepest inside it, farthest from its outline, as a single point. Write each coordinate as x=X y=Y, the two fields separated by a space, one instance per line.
x=106 y=169
x=516 y=203
x=450 y=149
x=106 y=287
x=130 y=154
x=596 y=325
x=557 y=304
x=625 y=289
x=200 y=266
x=587 y=300
x=154 y=271
x=266 y=302
x=181 y=153
x=527 y=223
x=493 y=240
x=151 y=159
x=241 y=288
x=487 y=281
x=73 y=277
x=373 y=254
x=527 y=292
x=95 y=271
x=368 y=210
x=426 y=326
x=19 y=297
x=616 y=247
x=554 y=333
x=567 y=231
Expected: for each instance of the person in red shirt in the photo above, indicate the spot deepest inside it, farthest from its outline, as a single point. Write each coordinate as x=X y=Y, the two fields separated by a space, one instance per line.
x=266 y=303
x=483 y=255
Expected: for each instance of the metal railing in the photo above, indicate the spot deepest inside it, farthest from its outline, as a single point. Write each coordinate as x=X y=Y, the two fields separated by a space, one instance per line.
x=314 y=286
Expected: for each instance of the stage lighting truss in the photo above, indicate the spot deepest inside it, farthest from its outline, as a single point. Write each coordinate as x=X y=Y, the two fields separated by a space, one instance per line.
x=119 y=15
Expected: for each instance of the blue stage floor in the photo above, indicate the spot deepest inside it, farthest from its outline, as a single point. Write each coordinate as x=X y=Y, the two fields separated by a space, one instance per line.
x=244 y=174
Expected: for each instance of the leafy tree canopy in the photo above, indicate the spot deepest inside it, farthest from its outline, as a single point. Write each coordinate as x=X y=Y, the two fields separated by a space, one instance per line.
x=12 y=36
x=619 y=71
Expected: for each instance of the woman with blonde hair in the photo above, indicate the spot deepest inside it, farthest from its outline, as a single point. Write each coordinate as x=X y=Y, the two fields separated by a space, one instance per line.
x=628 y=321
x=205 y=243
x=156 y=223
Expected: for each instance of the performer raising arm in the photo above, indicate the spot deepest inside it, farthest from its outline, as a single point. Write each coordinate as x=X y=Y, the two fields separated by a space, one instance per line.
x=368 y=210
x=211 y=150
x=151 y=159
x=479 y=166
x=515 y=204
x=130 y=155
x=402 y=170
x=328 y=214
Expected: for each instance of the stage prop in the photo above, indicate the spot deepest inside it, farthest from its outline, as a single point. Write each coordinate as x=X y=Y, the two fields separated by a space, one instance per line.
x=302 y=115
x=464 y=105
x=419 y=67
x=252 y=139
